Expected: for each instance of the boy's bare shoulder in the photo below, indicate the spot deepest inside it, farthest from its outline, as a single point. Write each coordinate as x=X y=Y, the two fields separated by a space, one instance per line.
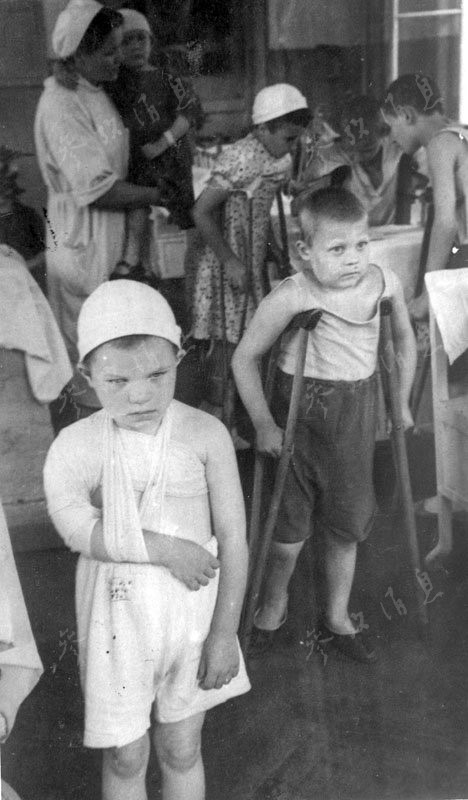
x=198 y=429
x=441 y=148
x=392 y=282
x=81 y=432
x=289 y=294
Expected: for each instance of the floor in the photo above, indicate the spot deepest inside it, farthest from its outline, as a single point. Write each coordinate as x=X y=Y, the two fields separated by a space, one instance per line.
x=314 y=726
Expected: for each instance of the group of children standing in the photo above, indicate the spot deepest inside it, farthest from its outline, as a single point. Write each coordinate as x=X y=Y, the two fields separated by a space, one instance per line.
x=147 y=489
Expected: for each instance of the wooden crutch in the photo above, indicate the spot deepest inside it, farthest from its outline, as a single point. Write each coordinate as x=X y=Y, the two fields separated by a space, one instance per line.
x=390 y=383
x=285 y=268
x=259 y=547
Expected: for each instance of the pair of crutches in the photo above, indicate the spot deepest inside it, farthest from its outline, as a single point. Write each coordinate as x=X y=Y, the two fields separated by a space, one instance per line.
x=260 y=541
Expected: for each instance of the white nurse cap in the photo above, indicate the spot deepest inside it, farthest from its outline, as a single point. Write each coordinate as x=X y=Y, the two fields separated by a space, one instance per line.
x=72 y=25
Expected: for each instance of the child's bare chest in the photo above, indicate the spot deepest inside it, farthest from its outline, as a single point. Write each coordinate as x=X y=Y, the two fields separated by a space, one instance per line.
x=358 y=303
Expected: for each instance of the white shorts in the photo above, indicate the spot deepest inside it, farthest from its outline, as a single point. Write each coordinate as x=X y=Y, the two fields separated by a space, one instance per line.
x=141 y=634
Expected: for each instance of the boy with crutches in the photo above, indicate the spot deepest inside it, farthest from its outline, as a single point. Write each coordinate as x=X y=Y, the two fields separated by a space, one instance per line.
x=329 y=478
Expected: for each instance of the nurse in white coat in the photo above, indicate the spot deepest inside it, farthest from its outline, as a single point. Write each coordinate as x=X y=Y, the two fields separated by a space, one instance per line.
x=82 y=149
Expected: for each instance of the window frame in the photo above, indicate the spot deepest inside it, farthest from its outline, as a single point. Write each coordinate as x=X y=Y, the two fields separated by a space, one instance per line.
x=462 y=12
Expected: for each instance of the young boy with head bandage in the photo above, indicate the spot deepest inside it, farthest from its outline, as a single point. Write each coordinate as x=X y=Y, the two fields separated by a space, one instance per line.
x=147 y=491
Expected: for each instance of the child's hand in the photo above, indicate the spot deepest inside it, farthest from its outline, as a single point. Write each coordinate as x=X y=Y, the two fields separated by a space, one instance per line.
x=407 y=417
x=419 y=307
x=155 y=149
x=269 y=440
x=219 y=661
x=235 y=272
x=191 y=564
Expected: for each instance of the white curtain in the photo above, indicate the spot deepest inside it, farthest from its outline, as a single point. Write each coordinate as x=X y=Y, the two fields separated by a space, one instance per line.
x=304 y=24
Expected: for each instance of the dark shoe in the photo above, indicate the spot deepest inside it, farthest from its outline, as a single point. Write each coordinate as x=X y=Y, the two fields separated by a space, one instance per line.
x=261 y=639
x=353 y=646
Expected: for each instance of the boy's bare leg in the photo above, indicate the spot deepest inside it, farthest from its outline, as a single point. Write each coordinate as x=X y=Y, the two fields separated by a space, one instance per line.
x=281 y=563
x=340 y=564
x=124 y=771
x=136 y=225
x=178 y=747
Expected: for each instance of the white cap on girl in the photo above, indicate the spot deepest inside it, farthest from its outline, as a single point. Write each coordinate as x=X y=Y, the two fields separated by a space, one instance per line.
x=276 y=101
x=124 y=308
x=72 y=25
x=134 y=21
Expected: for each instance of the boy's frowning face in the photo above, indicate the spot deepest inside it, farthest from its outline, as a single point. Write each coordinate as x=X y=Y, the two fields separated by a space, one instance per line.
x=338 y=252
x=135 y=385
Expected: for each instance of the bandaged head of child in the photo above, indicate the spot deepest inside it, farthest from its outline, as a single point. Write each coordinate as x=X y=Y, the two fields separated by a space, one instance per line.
x=129 y=347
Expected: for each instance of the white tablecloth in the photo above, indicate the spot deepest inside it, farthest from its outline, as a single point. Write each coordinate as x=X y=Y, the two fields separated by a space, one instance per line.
x=398 y=247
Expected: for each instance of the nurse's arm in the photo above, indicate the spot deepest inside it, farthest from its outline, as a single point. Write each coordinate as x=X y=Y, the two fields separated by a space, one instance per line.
x=124 y=195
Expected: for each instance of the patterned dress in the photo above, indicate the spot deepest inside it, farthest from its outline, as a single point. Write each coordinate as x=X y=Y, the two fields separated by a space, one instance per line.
x=246 y=164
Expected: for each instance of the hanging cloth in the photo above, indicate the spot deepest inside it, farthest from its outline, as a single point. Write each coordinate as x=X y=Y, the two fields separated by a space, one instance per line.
x=123 y=520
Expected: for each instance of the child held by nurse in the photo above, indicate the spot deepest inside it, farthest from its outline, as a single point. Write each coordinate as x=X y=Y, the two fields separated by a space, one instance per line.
x=329 y=480
x=157 y=107
x=147 y=491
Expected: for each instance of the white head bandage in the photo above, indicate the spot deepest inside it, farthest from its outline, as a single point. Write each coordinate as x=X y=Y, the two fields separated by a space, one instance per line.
x=124 y=308
x=134 y=21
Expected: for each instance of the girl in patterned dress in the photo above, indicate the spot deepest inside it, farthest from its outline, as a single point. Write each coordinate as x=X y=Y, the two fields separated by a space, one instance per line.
x=232 y=216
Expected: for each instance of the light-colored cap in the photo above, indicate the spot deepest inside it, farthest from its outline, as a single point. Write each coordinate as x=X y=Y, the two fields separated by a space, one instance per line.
x=276 y=101
x=134 y=21
x=124 y=308
x=72 y=25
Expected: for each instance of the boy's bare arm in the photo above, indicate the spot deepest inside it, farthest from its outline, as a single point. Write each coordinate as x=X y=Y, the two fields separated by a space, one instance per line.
x=442 y=154
x=206 y=215
x=187 y=561
x=273 y=315
x=220 y=660
x=405 y=349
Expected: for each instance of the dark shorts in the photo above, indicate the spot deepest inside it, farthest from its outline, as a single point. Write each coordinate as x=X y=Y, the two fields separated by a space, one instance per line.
x=330 y=476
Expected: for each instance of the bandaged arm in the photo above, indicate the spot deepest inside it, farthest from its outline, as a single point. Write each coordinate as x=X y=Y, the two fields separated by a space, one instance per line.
x=71 y=481
x=72 y=476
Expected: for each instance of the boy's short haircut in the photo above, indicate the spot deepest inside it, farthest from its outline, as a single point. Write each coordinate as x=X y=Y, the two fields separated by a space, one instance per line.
x=415 y=89
x=123 y=343
x=361 y=112
x=334 y=203
x=300 y=117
